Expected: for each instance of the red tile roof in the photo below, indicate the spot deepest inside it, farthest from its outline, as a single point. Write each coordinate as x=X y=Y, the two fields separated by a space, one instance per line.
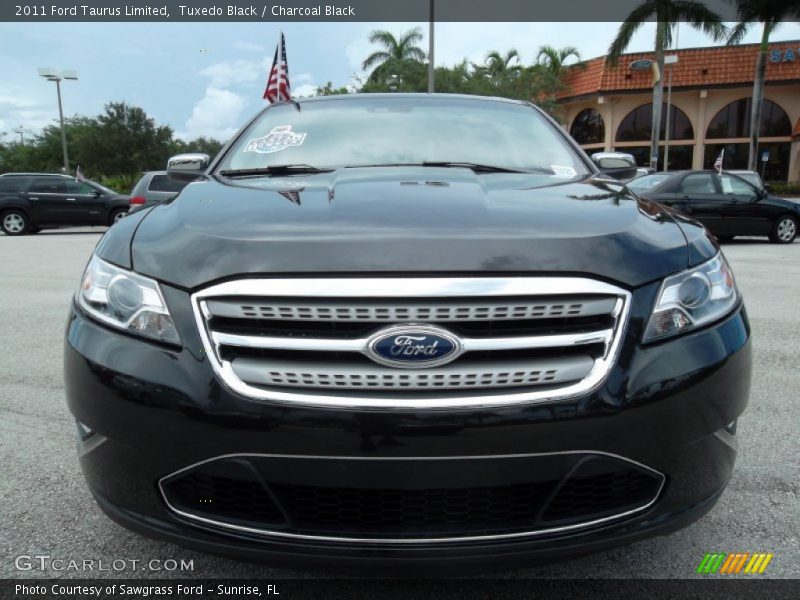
x=697 y=67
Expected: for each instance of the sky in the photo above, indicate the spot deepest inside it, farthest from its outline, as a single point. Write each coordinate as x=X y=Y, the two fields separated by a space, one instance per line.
x=208 y=78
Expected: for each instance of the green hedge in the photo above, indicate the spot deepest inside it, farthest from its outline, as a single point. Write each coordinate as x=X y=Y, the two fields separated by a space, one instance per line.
x=119 y=183
x=782 y=187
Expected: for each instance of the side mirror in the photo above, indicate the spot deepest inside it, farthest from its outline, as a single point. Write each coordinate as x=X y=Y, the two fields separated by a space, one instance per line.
x=616 y=164
x=187 y=167
x=95 y=193
x=767 y=188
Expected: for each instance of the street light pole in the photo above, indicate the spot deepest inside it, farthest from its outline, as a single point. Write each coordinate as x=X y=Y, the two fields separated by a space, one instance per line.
x=63 y=131
x=58 y=76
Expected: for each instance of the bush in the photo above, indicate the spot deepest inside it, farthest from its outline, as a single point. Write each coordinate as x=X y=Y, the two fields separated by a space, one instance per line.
x=781 y=187
x=119 y=183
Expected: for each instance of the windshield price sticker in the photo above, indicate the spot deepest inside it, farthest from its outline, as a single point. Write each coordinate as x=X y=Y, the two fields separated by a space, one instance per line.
x=279 y=138
x=563 y=172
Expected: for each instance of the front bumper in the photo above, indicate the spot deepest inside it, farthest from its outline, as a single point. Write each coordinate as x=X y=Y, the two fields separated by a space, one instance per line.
x=155 y=411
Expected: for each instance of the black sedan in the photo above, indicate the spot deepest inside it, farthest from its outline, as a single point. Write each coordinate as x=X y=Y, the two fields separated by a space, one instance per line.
x=418 y=334
x=725 y=203
x=30 y=202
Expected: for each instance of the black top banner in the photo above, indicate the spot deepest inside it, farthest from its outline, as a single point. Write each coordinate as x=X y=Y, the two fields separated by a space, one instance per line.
x=330 y=10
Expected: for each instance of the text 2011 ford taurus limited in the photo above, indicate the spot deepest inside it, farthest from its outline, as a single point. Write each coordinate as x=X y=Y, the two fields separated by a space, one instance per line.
x=397 y=331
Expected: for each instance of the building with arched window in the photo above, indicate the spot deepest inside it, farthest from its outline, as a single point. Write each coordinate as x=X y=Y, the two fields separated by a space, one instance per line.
x=610 y=108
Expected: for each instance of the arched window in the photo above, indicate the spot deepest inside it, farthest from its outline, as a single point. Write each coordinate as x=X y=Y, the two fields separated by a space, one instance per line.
x=733 y=121
x=588 y=127
x=636 y=125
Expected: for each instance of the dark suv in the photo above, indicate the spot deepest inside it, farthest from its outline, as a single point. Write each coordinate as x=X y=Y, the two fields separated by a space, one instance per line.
x=406 y=331
x=30 y=202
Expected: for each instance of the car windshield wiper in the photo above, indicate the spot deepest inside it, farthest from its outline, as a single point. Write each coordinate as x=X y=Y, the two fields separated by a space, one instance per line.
x=476 y=167
x=299 y=169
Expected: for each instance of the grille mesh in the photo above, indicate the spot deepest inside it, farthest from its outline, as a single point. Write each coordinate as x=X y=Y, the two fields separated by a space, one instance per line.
x=600 y=488
x=442 y=312
x=508 y=373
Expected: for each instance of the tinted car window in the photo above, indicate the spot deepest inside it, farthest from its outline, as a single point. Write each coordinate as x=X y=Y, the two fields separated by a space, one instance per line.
x=162 y=183
x=79 y=187
x=365 y=131
x=49 y=185
x=648 y=182
x=12 y=184
x=734 y=185
x=698 y=183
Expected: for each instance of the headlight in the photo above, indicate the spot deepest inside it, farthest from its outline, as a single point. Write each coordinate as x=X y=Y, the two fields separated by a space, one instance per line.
x=126 y=300
x=692 y=299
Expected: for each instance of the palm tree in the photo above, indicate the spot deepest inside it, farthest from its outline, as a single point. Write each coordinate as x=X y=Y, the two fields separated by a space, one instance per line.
x=497 y=67
x=770 y=13
x=394 y=49
x=552 y=59
x=666 y=13
x=548 y=76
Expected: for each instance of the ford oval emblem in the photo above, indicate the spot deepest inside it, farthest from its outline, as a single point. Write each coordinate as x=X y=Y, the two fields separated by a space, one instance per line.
x=413 y=346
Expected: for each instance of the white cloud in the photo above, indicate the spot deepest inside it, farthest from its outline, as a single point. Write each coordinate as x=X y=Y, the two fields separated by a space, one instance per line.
x=226 y=74
x=306 y=89
x=247 y=46
x=217 y=114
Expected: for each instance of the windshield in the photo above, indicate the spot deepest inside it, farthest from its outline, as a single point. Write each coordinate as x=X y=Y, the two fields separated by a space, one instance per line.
x=648 y=182
x=352 y=132
x=752 y=178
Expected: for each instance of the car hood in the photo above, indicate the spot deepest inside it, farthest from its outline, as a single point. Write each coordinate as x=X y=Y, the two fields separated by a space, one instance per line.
x=407 y=220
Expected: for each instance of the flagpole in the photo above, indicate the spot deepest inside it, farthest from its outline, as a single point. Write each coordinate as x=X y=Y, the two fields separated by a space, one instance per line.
x=280 y=63
x=430 y=50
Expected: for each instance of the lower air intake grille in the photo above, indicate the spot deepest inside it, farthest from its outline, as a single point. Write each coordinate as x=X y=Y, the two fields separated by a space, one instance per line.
x=580 y=490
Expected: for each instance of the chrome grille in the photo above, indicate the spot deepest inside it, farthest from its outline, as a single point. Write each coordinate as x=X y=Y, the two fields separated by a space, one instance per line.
x=398 y=313
x=523 y=339
x=326 y=376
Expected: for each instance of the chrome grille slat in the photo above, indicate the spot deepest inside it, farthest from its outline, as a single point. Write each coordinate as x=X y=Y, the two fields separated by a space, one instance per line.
x=440 y=311
x=359 y=345
x=316 y=375
x=261 y=339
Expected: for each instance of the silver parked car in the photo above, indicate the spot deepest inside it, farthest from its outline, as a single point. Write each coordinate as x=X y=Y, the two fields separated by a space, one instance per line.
x=154 y=188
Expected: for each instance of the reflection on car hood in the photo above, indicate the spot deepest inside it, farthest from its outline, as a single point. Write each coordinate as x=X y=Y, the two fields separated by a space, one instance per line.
x=409 y=220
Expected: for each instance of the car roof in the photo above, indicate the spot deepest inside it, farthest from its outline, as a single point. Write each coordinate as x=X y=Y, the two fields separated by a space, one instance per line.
x=421 y=96
x=36 y=175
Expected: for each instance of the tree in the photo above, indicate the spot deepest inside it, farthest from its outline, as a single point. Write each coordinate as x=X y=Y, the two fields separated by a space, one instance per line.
x=394 y=49
x=554 y=60
x=201 y=144
x=397 y=75
x=770 y=13
x=329 y=90
x=548 y=74
x=127 y=141
x=498 y=67
x=113 y=147
x=666 y=13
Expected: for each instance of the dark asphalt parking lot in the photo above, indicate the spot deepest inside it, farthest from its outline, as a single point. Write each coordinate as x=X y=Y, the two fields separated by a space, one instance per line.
x=47 y=509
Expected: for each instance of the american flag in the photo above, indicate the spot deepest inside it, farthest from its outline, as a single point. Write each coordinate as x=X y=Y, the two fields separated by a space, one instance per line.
x=718 y=162
x=278 y=88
